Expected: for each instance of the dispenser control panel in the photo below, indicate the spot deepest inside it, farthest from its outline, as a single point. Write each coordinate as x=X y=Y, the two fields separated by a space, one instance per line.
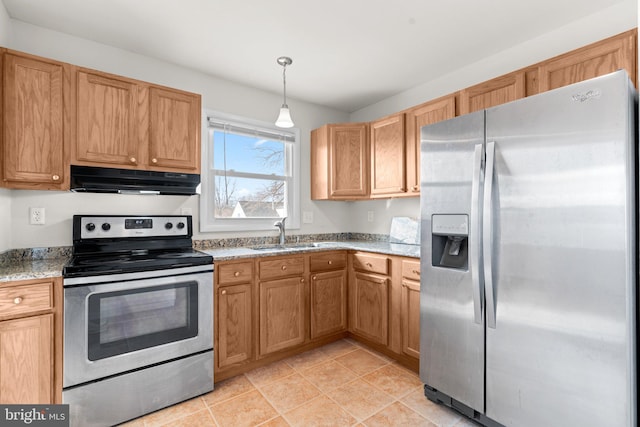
x=450 y=225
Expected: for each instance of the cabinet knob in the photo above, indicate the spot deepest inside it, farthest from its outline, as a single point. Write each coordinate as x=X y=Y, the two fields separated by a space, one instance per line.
x=329 y=262
x=301 y=280
x=154 y=160
x=17 y=300
x=416 y=272
x=56 y=177
x=415 y=188
x=236 y=274
x=314 y=277
x=369 y=265
x=132 y=159
x=223 y=292
x=284 y=267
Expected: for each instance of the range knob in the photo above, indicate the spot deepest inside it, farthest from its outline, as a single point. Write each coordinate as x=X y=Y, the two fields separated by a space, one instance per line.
x=180 y=225
x=106 y=226
x=168 y=226
x=90 y=227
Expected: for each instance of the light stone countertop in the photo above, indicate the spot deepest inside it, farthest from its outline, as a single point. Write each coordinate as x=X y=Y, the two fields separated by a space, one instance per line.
x=26 y=269
x=398 y=249
x=31 y=269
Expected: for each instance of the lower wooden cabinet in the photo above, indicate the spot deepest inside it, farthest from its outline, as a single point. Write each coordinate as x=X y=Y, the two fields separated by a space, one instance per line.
x=370 y=311
x=272 y=307
x=26 y=360
x=235 y=339
x=328 y=303
x=282 y=314
x=410 y=308
x=410 y=317
x=30 y=342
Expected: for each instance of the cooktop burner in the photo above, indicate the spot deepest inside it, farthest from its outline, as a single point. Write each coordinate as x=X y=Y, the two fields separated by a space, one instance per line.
x=122 y=244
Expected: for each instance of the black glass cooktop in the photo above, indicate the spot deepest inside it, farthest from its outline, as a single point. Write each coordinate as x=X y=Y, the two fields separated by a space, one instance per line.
x=141 y=260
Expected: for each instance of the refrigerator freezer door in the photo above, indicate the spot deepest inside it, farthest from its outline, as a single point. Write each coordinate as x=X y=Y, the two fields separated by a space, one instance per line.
x=451 y=342
x=562 y=351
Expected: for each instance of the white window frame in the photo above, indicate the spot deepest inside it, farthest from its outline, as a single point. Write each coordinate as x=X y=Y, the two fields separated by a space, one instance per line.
x=208 y=221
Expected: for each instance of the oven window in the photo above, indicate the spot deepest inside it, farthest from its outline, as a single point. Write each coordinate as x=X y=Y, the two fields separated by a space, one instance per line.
x=129 y=320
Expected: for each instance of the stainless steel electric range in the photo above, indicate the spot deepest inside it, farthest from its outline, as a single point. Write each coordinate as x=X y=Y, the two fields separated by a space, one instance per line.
x=138 y=318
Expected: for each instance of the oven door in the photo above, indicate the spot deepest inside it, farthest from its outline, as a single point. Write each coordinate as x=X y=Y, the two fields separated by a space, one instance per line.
x=118 y=323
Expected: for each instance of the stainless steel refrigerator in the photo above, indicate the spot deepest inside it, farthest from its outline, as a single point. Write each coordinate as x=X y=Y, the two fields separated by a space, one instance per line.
x=529 y=277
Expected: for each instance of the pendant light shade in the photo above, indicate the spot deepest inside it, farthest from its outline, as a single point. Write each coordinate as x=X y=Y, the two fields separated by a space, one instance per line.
x=284 y=118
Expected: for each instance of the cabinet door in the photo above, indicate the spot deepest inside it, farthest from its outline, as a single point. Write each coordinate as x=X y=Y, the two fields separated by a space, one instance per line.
x=595 y=60
x=422 y=115
x=349 y=161
x=493 y=92
x=282 y=314
x=328 y=303
x=33 y=140
x=234 y=325
x=371 y=307
x=26 y=360
x=387 y=169
x=106 y=127
x=174 y=130
x=410 y=313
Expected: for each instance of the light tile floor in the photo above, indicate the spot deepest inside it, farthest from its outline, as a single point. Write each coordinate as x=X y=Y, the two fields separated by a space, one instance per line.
x=340 y=384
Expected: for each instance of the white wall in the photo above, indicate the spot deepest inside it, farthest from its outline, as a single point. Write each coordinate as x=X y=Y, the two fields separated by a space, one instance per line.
x=216 y=94
x=611 y=21
x=5 y=195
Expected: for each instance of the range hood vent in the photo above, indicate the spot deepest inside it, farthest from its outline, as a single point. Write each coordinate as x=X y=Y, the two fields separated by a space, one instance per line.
x=129 y=181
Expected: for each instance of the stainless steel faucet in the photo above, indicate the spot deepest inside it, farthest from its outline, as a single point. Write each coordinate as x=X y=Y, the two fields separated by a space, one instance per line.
x=280 y=225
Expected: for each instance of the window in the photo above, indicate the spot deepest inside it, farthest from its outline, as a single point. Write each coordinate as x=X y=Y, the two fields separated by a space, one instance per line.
x=250 y=178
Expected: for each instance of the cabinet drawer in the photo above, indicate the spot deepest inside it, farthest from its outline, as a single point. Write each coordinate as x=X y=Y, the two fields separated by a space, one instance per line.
x=373 y=263
x=328 y=261
x=240 y=272
x=25 y=299
x=281 y=267
x=411 y=270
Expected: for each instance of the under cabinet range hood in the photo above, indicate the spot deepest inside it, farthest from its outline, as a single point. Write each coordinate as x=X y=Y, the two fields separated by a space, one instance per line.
x=92 y=179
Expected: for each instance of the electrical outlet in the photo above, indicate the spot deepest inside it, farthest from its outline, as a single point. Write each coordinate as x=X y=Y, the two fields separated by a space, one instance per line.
x=307 y=217
x=36 y=216
x=370 y=216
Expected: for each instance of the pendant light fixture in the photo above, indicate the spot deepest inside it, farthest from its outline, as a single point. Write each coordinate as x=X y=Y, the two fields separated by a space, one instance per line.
x=284 y=118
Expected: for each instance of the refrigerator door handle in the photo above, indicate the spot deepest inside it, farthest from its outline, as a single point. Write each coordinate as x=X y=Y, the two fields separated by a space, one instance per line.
x=487 y=234
x=474 y=234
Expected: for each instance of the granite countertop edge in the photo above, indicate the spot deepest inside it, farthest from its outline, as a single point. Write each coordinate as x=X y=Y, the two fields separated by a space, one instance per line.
x=29 y=269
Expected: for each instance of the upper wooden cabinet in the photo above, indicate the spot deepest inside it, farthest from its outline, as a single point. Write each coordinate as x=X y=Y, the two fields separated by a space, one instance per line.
x=340 y=162
x=493 y=92
x=35 y=122
x=174 y=128
x=422 y=115
x=606 y=56
x=130 y=124
x=387 y=171
x=106 y=121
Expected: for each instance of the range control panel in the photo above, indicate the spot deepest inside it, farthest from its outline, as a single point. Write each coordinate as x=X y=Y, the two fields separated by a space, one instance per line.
x=112 y=226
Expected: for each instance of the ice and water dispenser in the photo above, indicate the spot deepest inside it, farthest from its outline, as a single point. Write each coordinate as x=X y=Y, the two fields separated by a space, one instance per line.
x=450 y=238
